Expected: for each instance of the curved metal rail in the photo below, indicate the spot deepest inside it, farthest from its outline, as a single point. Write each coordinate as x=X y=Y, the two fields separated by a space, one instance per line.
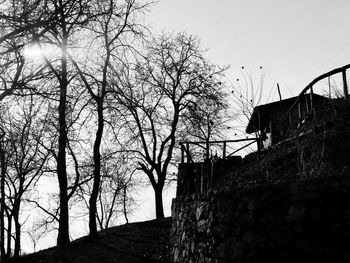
x=309 y=87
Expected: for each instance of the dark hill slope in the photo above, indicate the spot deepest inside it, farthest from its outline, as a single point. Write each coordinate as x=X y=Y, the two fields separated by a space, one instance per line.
x=136 y=242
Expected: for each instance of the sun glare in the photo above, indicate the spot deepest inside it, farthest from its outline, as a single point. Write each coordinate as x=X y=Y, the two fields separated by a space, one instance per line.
x=35 y=52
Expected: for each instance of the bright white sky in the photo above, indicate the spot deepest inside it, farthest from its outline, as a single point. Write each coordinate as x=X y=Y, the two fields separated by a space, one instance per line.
x=295 y=41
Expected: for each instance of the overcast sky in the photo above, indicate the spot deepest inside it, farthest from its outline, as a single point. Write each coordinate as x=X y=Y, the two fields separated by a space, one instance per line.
x=294 y=41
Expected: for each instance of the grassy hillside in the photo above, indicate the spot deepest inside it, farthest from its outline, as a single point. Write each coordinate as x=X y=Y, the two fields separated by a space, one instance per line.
x=136 y=242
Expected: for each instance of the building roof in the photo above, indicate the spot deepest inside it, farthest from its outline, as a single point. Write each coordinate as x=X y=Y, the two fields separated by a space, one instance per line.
x=261 y=114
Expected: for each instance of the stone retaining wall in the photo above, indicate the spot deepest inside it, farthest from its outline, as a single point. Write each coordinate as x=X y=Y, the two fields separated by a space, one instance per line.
x=285 y=222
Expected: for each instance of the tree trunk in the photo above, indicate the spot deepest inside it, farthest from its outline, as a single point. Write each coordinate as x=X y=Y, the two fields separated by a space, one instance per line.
x=159 y=202
x=17 y=249
x=16 y=210
x=63 y=228
x=63 y=231
x=2 y=207
x=97 y=171
x=9 y=237
x=124 y=204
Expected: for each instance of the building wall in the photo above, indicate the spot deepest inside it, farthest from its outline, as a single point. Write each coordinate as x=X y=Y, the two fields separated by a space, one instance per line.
x=275 y=117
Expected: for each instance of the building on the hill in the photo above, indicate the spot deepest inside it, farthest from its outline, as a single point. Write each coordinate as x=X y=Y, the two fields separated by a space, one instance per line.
x=271 y=121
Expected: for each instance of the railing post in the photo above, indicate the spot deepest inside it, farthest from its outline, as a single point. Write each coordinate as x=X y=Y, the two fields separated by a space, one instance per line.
x=290 y=117
x=299 y=109
x=345 y=85
x=311 y=98
x=188 y=152
x=224 y=151
x=182 y=152
x=207 y=149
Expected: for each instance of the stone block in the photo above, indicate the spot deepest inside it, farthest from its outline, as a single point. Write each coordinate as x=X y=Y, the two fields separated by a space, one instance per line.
x=247 y=219
x=280 y=234
x=221 y=231
x=201 y=211
x=296 y=213
x=253 y=239
x=175 y=257
x=225 y=210
x=231 y=249
x=255 y=256
x=202 y=226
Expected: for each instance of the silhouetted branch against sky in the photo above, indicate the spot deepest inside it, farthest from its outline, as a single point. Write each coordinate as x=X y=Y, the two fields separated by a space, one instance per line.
x=162 y=94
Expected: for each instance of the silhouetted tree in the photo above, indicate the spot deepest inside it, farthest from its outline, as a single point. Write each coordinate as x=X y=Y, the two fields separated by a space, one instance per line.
x=23 y=160
x=157 y=95
x=208 y=119
x=112 y=33
x=114 y=199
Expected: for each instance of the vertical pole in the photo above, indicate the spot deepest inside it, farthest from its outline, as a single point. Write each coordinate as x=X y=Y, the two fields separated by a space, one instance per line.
x=207 y=149
x=312 y=101
x=290 y=117
x=307 y=104
x=311 y=98
x=299 y=108
x=258 y=141
x=211 y=175
x=188 y=152
x=279 y=91
x=345 y=85
x=201 y=182
x=182 y=152
x=224 y=151
x=271 y=133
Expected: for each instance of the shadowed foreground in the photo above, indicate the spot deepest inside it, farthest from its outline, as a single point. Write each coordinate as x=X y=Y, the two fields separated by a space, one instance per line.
x=136 y=242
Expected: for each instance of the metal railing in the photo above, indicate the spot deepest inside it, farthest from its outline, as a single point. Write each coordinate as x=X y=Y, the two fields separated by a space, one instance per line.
x=188 y=154
x=307 y=94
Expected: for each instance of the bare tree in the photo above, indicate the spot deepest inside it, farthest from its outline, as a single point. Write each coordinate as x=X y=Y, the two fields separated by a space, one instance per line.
x=114 y=200
x=209 y=119
x=68 y=18
x=166 y=82
x=11 y=68
x=60 y=25
x=112 y=34
x=24 y=158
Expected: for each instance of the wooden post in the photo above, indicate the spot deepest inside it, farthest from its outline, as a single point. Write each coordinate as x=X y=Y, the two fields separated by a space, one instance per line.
x=224 y=151
x=299 y=109
x=345 y=85
x=182 y=152
x=307 y=104
x=188 y=152
x=207 y=149
x=312 y=101
x=279 y=91
x=290 y=117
